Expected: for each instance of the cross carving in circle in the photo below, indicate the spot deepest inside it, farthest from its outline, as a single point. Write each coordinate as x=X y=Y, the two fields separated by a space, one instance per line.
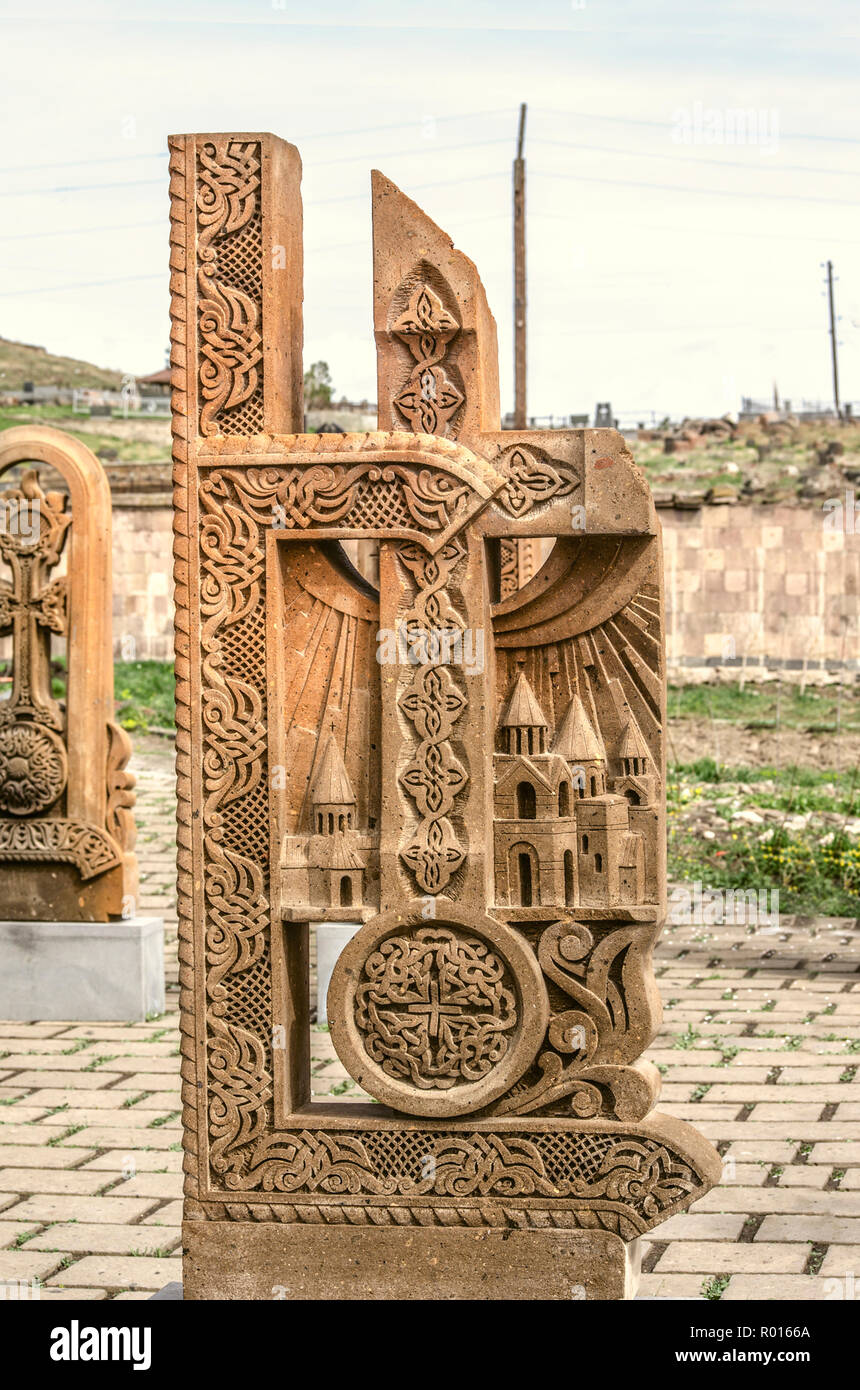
x=434 y=1009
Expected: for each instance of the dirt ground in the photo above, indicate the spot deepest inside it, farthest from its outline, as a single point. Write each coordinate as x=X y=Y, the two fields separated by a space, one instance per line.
x=736 y=746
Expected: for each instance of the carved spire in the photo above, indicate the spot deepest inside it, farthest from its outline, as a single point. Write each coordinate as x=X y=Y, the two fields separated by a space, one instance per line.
x=631 y=744
x=576 y=739
x=524 y=719
x=331 y=785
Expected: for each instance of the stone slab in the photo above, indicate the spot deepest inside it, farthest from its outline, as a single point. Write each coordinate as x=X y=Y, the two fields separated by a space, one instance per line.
x=240 y=1260
x=99 y=971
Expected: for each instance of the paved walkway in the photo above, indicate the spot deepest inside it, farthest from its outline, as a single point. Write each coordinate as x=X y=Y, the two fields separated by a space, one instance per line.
x=760 y=1048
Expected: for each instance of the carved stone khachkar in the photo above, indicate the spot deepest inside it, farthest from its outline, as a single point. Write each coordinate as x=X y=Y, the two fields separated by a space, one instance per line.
x=468 y=766
x=66 y=824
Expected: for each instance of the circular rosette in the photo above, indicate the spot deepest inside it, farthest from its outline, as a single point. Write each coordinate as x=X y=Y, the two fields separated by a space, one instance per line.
x=33 y=769
x=437 y=1017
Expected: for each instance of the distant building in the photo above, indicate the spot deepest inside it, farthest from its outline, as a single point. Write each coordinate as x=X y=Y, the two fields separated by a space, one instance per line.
x=156 y=384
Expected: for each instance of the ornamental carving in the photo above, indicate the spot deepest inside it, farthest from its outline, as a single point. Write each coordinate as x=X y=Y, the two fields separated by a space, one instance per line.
x=66 y=825
x=429 y=400
x=387 y=721
x=33 y=768
x=436 y=1008
x=533 y=479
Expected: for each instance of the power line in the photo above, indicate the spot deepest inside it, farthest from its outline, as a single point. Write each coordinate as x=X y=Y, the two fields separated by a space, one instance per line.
x=77 y=163
x=82 y=231
x=667 y=125
x=396 y=154
x=82 y=285
x=703 y=164
x=708 y=192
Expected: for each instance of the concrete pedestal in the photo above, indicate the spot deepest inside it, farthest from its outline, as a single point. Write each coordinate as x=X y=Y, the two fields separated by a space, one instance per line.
x=331 y=939
x=87 y=971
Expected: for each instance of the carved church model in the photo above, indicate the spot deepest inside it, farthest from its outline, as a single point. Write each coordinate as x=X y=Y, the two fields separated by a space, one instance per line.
x=327 y=867
x=573 y=827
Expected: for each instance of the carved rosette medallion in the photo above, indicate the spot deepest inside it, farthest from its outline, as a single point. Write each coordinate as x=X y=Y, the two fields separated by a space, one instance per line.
x=33 y=769
x=437 y=1019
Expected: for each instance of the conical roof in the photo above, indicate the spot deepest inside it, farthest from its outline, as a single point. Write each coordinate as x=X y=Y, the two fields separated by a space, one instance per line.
x=632 y=744
x=523 y=711
x=331 y=785
x=576 y=740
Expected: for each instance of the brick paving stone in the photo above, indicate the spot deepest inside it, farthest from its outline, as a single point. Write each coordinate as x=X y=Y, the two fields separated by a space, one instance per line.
x=170 y=1214
x=104 y=1238
x=719 y=1257
x=698 y=1225
x=151 y=1161
x=119 y=1272
x=50 y=1097
x=11 y=1230
x=123 y=1120
x=839 y=1155
x=778 y=1200
x=162 y=1185
x=796 y=1287
x=100 y=1137
x=827 y=1230
x=804 y=1175
x=57 y=1206
x=32 y=1155
x=34 y=1180
x=671 y=1286
x=152 y=1081
x=29 y=1134
x=27 y=1264
x=49 y=1294
x=88 y=1080
x=842 y=1260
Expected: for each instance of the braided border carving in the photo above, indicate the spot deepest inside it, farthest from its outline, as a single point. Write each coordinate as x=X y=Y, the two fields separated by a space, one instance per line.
x=182 y=666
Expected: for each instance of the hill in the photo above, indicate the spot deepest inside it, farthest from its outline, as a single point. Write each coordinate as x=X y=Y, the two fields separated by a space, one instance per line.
x=20 y=362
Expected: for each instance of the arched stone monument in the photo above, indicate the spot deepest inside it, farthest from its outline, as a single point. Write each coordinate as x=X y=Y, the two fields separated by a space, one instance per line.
x=67 y=863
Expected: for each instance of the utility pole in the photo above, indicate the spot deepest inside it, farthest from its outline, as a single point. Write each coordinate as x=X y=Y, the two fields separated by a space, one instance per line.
x=833 y=352
x=520 y=278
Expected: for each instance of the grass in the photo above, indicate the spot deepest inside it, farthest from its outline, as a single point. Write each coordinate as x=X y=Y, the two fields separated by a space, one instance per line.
x=124 y=450
x=815 y=708
x=144 y=694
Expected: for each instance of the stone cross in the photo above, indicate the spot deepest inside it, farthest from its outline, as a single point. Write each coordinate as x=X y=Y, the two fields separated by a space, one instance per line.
x=467 y=759
x=66 y=825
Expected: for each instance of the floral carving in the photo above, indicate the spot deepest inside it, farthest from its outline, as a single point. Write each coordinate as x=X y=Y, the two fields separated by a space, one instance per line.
x=91 y=850
x=33 y=769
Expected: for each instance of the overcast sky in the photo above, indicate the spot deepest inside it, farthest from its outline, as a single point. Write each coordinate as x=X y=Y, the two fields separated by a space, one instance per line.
x=669 y=268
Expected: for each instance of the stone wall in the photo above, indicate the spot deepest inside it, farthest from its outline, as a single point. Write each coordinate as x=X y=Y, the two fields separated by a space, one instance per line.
x=142 y=578
x=763 y=587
